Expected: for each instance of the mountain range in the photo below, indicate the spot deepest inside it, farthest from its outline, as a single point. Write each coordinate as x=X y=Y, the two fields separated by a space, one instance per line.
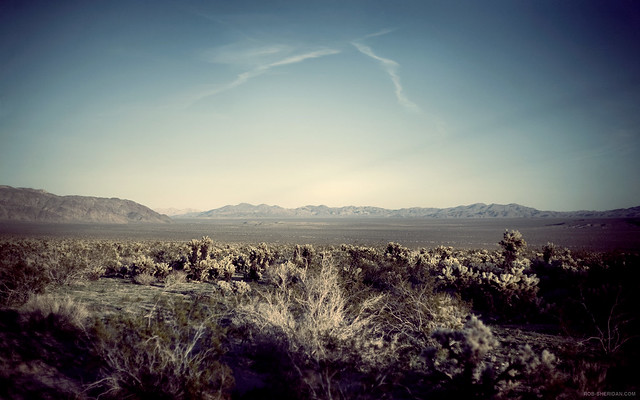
x=31 y=205
x=477 y=210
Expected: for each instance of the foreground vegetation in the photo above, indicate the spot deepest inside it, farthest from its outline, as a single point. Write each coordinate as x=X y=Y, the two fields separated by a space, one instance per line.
x=109 y=319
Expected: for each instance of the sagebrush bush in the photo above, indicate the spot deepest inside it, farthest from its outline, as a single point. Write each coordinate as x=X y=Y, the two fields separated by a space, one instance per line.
x=307 y=318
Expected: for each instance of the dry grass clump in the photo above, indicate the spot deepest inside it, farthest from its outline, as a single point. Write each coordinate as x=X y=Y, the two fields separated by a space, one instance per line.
x=145 y=278
x=175 y=278
x=64 y=309
x=45 y=351
x=171 y=352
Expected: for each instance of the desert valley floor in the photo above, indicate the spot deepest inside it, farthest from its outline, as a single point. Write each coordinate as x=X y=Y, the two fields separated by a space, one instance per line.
x=593 y=234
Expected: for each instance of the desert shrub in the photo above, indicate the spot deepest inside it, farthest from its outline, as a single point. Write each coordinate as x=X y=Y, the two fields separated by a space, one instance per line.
x=142 y=264
x=463 y=364
x=64 y=309
x=529 y=375
x=199 y=249
x=285 y=275
x=171 y=352
x=19 y=279
x=398 y=254
x=512 y=245
x=333 y=340
x=223 y=269
x=175 y=278
x=501 y=292
x=375 y=269
x=200 y=271
x=408 y=316
x=458 y=360
x=306 y=319
x=592 y=295
x=237 y=288
x=303 y=255
x=259 y=259
x=44 y=350
x=421 y=269
x=609 y=294
x=359 y=259
x=211 y=269
x=69 y=261
x=144 y=278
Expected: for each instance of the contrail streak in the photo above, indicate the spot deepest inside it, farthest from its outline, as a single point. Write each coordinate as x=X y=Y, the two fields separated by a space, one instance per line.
x=261 y=69
x=391 y=68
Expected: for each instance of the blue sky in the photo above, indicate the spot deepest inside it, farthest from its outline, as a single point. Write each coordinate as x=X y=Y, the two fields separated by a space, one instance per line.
x=382 y=103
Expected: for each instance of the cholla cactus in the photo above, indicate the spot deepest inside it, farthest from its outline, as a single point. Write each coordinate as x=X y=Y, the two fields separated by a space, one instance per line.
x=527 y=372
x=161 y=270
x=240 y=287
x=260 y=258
x=223 y=268
x=398 y=254
x=302 y=255
x=194 y=256
x=224 y=287
x=459 y=357
x=142 y=264
x=201 y=270
x=512 y=244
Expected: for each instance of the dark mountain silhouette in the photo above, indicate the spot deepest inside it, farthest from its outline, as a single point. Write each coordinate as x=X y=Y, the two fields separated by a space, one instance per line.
x=478 y=210
x=31 y=205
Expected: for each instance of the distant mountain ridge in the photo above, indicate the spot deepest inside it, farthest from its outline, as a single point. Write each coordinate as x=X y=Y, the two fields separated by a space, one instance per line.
x=33 y=205
x=477 y=210
x=177 y=211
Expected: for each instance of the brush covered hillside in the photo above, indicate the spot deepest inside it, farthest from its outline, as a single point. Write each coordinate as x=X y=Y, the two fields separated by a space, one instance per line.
x=31 y=205
x=477 y=210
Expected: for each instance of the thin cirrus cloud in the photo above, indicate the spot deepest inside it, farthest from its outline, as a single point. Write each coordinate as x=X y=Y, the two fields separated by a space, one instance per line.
x=391 y=68
x=262 y=59
x=244 y=77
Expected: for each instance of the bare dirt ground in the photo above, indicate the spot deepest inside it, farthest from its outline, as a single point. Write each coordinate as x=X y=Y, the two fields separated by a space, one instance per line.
x=590 y=234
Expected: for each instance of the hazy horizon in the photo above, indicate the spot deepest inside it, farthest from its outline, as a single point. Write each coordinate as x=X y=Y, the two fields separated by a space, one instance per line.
x=291 y=103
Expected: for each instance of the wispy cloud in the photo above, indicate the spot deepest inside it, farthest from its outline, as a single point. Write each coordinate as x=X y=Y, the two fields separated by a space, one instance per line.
x=391 y=68
x=246 y=54
x=379 y=33
x=244 y=77
x=301 y=57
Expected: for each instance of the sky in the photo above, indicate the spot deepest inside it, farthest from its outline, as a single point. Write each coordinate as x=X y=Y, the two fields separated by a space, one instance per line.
x=200 y=104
